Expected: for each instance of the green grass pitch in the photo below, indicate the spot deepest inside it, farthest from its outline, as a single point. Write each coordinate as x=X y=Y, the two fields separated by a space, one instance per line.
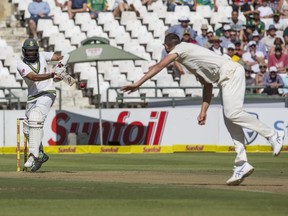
x=144 y=184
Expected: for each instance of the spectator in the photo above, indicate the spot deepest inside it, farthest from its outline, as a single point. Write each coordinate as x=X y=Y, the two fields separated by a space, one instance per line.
x=272 y=82
x=210 y=34
x=226 y=37
x=268 y=40
x=277 y=22
x=238 y=48
x=208 y=2
x=247 y=32
x=259 y=77
x=249 y=80
x=236 y=24
x=252 y=57
x=174 y=68
x=187 y=38
x=179 y=29
x=233 y=35
x=278 y=42
x=96 y=6
x=231 y=53
x=76 y=6
x=61 y=3
x=202 y=39
x=122 y=5
x=216 y=46
x=220 y=31
x=245 y=6
x=38 y=10
x=265 y=10
x=257 y=23
x=260 y=46
x=171 y=4
x=278 y=59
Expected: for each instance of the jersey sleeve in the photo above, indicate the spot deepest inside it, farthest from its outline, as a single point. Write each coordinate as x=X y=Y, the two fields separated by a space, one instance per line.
x=23 y=69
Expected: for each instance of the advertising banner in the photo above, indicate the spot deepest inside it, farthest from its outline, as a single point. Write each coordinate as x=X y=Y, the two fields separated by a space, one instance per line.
x=276 y=118
x=157 y=126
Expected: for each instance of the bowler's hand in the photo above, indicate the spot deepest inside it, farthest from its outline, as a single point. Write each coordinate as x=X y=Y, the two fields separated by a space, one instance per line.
x=130 y=88
x=202 y=118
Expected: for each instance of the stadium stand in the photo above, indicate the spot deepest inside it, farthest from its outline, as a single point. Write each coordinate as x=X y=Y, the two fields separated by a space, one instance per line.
x=142 y=36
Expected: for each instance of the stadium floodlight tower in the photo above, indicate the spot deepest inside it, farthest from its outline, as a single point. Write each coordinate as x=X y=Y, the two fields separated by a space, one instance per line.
x=95 y=49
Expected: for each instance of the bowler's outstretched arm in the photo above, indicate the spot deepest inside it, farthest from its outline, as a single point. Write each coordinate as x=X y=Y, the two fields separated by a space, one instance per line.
x=152 y=72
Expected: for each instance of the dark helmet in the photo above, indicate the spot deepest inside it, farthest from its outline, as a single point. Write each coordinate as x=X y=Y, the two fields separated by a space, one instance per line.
x=30 y=50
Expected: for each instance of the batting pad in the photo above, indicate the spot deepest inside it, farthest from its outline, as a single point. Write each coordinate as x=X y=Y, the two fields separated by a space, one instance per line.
x=35 y=122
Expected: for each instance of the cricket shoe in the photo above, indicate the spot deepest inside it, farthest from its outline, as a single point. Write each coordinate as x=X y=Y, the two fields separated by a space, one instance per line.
x=240 y=173
x=276 y=142
x=36 y=165
x=43 y=157
x=30 y=161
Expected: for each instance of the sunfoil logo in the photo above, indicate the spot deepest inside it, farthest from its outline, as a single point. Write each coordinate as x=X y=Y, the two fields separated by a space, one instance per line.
x=121 y=130
x=250 y=135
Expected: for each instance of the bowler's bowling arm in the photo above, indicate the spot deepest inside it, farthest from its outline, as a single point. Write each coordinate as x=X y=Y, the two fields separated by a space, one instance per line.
x=157 y=68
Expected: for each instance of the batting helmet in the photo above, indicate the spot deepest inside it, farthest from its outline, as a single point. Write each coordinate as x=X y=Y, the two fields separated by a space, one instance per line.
x=30 y=50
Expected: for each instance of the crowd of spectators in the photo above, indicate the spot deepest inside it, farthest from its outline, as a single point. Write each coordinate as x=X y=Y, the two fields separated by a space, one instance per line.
x=258 y=41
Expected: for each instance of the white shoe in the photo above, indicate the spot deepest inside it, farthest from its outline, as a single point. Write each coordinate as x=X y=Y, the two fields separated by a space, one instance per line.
x=276 y=142
x=240 y=173
x=29 y=163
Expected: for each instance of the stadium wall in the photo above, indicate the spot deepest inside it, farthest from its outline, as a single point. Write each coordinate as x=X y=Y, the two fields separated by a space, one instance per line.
x=158 y=130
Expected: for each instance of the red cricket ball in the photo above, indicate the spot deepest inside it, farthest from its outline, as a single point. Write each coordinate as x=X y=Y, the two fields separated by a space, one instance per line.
x=82 y=84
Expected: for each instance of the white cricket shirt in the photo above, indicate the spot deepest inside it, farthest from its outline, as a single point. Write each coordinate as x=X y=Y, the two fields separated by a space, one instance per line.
x=37 y=88
x=206 y=62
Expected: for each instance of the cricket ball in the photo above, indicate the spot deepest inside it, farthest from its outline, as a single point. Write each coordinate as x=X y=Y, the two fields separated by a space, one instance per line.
x=82 y=85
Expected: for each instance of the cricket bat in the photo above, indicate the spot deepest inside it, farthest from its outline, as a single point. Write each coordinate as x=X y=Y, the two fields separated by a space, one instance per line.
x=66 y=77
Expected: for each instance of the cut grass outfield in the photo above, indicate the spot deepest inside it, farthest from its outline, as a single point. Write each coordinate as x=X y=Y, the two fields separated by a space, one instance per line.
x=65 y=194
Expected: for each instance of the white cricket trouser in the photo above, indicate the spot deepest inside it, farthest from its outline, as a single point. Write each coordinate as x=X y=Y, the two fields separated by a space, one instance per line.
x=232 y=93
x=43 y=104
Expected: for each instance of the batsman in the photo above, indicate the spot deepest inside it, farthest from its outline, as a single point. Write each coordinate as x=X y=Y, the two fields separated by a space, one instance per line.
x=34 y=69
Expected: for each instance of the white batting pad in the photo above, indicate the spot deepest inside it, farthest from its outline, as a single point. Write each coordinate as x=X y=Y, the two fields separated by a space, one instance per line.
x=35 y=122
x=26 y=129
